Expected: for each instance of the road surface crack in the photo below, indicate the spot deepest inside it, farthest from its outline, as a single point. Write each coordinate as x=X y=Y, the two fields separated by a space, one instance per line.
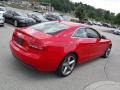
x=105 y=70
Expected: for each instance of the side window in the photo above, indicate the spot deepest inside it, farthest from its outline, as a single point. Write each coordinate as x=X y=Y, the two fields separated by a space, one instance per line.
x=16 y=14
x=8 y=12
x=34 y=16
x=80 y=33
x=12 y=12
x=91 y=33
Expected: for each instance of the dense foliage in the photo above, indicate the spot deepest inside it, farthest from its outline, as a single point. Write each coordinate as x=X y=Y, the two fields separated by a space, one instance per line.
x=61 y=5
x=97 y=14
x=83 y=11
x=117 y=19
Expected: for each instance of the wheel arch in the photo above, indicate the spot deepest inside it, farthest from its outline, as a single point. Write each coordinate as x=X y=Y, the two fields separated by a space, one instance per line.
x=110 y=45
x=75 y=53
x=58 y=71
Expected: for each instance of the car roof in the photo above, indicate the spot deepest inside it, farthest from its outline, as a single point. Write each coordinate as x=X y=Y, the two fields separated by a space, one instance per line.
x=73 y=24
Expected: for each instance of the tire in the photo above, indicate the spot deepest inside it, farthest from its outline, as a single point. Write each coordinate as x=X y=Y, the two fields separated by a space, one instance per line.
x=16 y=23
x=107 y=52
x=5 y=20
x=67 y=66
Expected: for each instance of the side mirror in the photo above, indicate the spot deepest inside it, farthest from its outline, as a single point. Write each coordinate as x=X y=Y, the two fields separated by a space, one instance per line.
x=103 y=37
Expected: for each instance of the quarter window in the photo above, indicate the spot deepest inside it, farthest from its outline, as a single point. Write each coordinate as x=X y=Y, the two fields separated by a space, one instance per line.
x=80 y=33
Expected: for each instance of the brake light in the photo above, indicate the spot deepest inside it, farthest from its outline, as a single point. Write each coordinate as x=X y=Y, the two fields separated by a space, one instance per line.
x=37 y=45
x=16 y=33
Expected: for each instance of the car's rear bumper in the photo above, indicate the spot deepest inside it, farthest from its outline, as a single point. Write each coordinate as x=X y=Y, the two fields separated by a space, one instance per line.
x=37 y=61
x=2 y=21
x=1 y=24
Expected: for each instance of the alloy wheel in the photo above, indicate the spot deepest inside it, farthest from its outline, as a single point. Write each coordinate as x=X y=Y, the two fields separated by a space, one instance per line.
x=68 y=65
x=108 y=51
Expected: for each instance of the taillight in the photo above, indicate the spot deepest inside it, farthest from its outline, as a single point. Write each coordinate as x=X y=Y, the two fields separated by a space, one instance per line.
x=14 y=36
x=35 y=44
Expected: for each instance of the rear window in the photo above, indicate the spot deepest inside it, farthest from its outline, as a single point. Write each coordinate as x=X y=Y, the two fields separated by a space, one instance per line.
x=50 y=27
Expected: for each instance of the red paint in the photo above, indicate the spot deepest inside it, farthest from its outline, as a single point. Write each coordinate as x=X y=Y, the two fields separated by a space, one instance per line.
x=45 y=52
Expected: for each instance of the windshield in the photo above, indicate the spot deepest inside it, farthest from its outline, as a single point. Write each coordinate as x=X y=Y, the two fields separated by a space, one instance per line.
x=21 y=14
x=40 y=16
x=66 y=18
x=50 y=27
x=61 y=18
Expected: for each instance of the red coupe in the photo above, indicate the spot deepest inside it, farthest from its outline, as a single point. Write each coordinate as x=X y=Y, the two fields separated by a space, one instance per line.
x=58 y=46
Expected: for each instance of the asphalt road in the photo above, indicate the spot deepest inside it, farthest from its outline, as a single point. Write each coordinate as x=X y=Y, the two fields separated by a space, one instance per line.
x=15 y=76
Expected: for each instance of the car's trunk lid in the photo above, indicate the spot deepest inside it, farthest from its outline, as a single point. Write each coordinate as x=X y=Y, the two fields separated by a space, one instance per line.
x=28 y=38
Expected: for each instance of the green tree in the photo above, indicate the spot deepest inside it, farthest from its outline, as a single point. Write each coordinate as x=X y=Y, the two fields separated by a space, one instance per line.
x=45 y=1
x=80 y=12
x=117 y=19
x=61 y=5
